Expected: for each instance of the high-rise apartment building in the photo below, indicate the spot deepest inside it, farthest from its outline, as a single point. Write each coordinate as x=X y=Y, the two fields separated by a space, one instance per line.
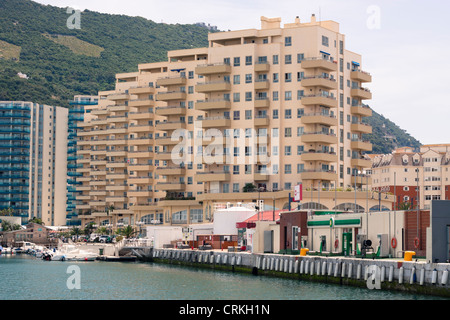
x=76 y=116
x=269 y=108
x=414 y=177
x=33 y=160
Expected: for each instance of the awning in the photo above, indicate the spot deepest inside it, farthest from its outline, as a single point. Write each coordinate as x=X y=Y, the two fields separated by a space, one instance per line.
x=325 y=52
x=248 y=225
x=178 y=70
x=355 y=63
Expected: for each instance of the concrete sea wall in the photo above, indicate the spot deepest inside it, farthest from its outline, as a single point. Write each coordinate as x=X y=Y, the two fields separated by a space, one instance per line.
x=378 y=274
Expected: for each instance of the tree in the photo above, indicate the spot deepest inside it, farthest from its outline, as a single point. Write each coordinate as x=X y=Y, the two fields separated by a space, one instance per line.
x=127 y=231
x=36 y=220
x=89 y=228
x=249 y=187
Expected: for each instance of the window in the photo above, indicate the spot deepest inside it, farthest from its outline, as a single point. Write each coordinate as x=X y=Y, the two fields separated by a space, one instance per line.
x=235 y=169
x=235 y=187
x=275 y=59
x=287 y=132
x=300 y=94
x=191 y=74
x=287 y=77
x=248 y=96
x=300 y=75
x=300 y=112
x=288 y=95
x=237 y=62
x=275 y=96
x=248 y=78
x=236 y=97
x=300 y=131
x=288 y=114
x=287 y=59
x=236 y=79
x=300 y=150
x=287 y=169
x=248 y=60
x=275 y=114
x=236 y=115
x=248 y=169
x=287 y=151
x=275 y=77
x=248 y=114
x=325 y=41
x=288 y=41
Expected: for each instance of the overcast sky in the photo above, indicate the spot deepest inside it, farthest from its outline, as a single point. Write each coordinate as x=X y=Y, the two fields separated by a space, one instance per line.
x=403 y=43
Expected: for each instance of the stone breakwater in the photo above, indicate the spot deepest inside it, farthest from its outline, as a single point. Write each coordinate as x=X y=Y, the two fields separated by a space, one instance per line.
x=375 y=274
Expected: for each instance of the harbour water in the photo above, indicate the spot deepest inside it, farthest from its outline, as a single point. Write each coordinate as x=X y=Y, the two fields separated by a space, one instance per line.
x=24 y=277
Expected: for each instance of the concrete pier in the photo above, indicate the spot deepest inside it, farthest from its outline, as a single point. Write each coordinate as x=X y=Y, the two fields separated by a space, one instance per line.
x=375 y=274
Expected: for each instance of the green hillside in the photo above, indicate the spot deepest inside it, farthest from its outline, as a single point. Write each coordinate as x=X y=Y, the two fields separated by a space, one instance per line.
x=61 y=62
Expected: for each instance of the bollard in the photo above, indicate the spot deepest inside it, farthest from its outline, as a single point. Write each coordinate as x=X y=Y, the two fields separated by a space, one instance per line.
x=408 y=255
x=303 y=251
x=383 y=272
x=422 y=276
x=350 y=267
x=400 y=275
x=302 y=266
x=444 y=277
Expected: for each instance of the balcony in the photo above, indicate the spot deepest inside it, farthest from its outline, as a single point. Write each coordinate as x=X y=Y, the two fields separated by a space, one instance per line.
x=140 y=167
x=361 y=127
x=262 y=102
x=118 y=96
x=319 y=156
x=141 y=103
x=361 y=163
x=140 y=193
x=214 y=141
x=140 y=128
x=320 y=99
x=171 y=171
x=318 y=137
x=361 y=180
x=361 y=76
x=319 y=63
x=262 y=85
x=261 y=176
x=171 y=95
x=140 y=180
x=261 y=121
x=166 y=156
x=167 y=141
x=170 y=125
x=212 y=176
x=140 y=154
x=213 y=86
x=319 y=118
x=262 y=67
x=206 y=105
x=142 y=90
x=361 y=145
x=140 y=116
x=318 y=175
x=171 y=186
x=170 y=110
x=361 y=93
x=209 y=69
x=171 y=81
x=362 y=110
x=319 y=81
x=215 y=122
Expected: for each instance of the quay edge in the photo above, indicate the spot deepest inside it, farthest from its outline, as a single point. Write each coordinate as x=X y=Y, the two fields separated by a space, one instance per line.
x=417 y=277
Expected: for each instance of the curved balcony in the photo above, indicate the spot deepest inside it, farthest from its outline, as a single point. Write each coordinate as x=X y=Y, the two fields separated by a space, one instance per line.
x=361 y=145
x=318 y=137
x=319 y=81
x=361 y=127
x=361 y=76
x=319 y=63
x=319 y=156
x=324 y=175
x=320 y=99
x=319 y=118
x=361 y=110
x=206 y=105
x=361 y=93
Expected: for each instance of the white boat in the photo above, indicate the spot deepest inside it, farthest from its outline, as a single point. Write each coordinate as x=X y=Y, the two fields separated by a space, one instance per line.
x=6 y=250
x=70 y=253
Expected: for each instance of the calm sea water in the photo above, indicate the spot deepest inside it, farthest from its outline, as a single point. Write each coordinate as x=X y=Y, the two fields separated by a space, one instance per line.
x=24 y=277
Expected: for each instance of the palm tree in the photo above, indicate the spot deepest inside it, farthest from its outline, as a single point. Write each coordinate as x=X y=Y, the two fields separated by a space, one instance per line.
x=36 y=220
x=127 y=231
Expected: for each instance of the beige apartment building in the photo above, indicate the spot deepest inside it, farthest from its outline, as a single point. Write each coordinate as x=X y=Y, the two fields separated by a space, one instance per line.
x=272 y=107
x=414 y=177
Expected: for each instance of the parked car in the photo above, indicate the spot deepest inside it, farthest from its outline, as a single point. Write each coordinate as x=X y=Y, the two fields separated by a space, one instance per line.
x=105 y=239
